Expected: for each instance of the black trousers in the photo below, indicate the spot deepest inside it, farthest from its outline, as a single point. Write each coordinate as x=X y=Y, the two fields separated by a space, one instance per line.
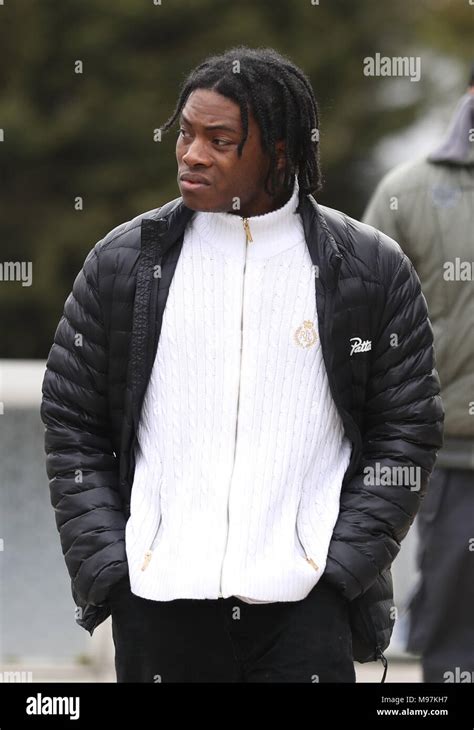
x=228 y=640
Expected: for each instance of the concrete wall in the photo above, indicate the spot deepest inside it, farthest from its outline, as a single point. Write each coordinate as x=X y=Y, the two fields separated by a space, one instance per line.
x=36 y=607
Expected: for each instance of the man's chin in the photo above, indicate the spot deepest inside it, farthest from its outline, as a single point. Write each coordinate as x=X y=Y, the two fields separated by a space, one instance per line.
x=197 y=202
x=195 y=205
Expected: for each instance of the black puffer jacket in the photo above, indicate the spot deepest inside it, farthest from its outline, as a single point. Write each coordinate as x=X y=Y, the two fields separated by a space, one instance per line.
x=388 y=397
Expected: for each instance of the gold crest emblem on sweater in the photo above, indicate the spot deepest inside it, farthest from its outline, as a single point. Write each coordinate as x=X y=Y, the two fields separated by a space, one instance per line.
x=305 y=335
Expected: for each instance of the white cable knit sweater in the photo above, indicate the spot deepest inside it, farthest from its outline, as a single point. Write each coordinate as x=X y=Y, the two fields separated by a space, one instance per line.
x=241 y=449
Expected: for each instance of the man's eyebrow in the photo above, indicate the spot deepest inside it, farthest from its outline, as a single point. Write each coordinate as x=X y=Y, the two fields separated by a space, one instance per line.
x=182 y=118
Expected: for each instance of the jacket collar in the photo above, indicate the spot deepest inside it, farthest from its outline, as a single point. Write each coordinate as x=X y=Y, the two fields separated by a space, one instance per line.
x=168 y=224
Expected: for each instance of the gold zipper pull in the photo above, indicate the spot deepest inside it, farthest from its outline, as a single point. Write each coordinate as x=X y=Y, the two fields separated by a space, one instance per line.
x=311 y=562
x=248 y=235
x=147 y=559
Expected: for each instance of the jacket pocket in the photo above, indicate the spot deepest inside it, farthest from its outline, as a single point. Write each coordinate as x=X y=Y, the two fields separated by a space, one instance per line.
x=151 y=547
x=307 y=553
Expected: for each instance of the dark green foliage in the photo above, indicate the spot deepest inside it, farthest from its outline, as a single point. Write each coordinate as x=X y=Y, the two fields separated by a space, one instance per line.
x=92 y=135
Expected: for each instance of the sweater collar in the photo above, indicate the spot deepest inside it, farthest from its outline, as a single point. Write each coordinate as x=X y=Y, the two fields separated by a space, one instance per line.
x=271 y=232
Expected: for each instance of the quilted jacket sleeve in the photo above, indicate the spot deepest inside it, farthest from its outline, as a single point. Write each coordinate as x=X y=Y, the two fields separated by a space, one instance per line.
x=80 y=462
x=401 y=435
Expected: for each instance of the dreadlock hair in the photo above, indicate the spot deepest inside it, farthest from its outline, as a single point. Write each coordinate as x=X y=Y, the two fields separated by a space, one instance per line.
x=281 y=99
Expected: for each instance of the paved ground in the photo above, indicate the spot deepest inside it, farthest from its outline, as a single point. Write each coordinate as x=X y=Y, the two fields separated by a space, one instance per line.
x=398 y=671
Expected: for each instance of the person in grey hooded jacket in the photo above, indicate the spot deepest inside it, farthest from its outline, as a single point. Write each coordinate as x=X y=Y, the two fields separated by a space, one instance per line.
x=428 y=206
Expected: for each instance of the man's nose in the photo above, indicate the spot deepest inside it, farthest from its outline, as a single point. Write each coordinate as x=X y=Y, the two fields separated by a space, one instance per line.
x=196 y=153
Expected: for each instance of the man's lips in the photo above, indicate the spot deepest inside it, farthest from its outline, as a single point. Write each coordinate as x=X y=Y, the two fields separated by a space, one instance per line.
x=188 y=185
x=190 y=181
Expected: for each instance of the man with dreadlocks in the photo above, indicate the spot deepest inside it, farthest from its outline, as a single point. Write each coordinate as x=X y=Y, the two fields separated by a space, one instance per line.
x=241 y=405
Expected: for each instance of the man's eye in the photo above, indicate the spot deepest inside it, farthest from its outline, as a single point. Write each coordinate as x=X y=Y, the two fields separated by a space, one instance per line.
x=217 y=140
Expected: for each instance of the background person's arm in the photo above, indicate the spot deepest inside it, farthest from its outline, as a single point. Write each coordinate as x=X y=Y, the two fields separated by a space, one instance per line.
x=383 y=207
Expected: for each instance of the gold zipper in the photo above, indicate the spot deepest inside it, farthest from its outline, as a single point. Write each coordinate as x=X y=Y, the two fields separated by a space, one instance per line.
x=248 y=238
x=147 y=559
x=149 y=553
x=308 y=559
x=248 y=235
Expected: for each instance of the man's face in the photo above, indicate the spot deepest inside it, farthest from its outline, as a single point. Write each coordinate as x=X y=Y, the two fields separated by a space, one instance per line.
x=206 y=150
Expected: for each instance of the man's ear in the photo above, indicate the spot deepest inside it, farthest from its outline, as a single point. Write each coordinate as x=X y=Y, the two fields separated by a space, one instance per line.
x=280 y=153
